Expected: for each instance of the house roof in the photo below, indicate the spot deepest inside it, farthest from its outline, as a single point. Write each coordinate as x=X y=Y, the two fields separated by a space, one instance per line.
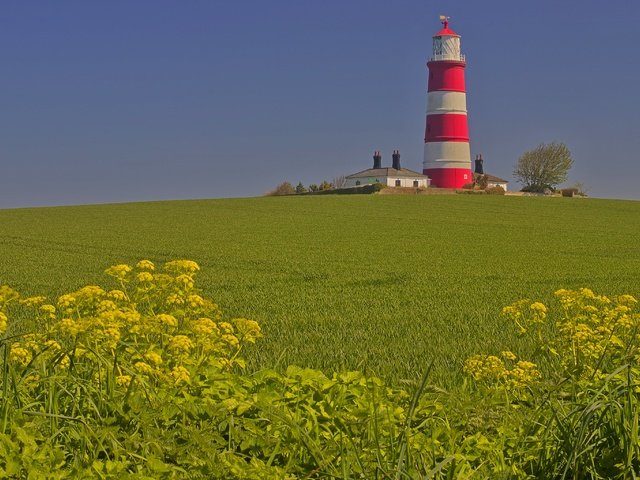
x=493 y=178
x=446 y=30
x=387 y=172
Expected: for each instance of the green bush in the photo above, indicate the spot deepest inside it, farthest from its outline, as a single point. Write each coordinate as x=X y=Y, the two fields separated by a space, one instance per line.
x=470 y=192
x=495 y=190
x=362 y=189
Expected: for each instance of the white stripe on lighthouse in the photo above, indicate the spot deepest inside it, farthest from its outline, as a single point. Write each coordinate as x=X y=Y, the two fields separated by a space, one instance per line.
x=447 y=154
x=446 y=102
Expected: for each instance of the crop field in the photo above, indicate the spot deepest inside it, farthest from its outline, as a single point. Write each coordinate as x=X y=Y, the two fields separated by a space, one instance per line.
x=381 y=283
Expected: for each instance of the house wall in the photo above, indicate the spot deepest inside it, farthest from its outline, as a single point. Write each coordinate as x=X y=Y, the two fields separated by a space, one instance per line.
x=352 y=182
x=498 y=184
x=407 y=182
x=388 y=181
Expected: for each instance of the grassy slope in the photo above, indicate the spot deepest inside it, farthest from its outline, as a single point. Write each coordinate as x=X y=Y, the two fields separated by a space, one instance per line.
x=384 y=282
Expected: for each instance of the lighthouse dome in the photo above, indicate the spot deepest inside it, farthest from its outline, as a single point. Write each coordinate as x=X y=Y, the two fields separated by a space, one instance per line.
x=446 y=31
x=446 y=44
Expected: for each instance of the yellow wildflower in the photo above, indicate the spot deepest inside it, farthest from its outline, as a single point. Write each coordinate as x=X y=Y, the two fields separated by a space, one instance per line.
x=106 y=306
x=153 y=357
x=175 y=299
x=19 y=355
x=33 y=301
x=131 y=316
x=204 y=326
x=167 y=319
x=118 y=295
x=69 y=327
x=31 y=380
x=180 y=375
x=185 y=281
x=67 y=302
x=123 y=380
x=7 y=294
x=538 y=307
x=231 y=340
x=146 y=265
x=31 y=342
x=195 y=301
x=181 y=343
x=226 y=327
x=52 y=345
x=65 y=361
x=187 y=266
x=523 y=374
x=507 y=355
x=90 y=292
x=48 y=309
x=118 y=271
x=144 y=277
x=144 y=368
x=3 y=323
x=628 y=300
x=485 y=368
x=248 y=330
x=112 y=334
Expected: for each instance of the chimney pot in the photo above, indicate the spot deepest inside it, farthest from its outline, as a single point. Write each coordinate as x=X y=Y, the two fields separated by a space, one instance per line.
x=396 y=159
x=377 y=159
x=479 y=168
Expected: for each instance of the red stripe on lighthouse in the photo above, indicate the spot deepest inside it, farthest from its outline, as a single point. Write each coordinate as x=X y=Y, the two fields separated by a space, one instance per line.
x=448 y=177
x=448 y=127
x=446 y=75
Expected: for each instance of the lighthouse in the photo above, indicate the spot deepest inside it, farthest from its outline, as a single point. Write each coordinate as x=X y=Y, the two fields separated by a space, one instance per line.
x=447 y=158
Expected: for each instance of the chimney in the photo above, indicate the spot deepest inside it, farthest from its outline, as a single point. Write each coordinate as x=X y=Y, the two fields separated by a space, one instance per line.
x=396 y=159
x=479 y=167
x=377 y=159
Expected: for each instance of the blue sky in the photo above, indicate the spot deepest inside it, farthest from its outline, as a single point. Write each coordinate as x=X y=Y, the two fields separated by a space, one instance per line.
x=131 y=100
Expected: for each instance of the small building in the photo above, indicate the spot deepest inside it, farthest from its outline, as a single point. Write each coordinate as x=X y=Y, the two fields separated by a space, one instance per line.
x=492 y=180
x=394 y=176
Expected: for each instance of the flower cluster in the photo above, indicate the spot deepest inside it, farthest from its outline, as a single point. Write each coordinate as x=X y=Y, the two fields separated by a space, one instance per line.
x=591 y=336
x=505 y=370
x=156 y=328
x=525 y=315
x=596 y=332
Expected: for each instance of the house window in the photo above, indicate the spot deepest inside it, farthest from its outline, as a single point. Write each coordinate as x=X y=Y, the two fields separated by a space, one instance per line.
x=397 y=183
x=416 y=183
x=357 y=182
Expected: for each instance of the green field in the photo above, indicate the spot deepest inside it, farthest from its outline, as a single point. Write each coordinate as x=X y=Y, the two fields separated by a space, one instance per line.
x=386 y=283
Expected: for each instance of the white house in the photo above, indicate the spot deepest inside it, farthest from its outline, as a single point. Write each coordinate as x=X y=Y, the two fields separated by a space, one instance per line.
x=493 y=181
x=394 y=176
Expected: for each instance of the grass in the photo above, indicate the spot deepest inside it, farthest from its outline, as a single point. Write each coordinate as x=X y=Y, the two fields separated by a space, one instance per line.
x=386 y=283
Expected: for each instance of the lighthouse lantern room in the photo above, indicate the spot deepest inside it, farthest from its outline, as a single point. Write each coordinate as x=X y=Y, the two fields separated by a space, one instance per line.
x=447 y=158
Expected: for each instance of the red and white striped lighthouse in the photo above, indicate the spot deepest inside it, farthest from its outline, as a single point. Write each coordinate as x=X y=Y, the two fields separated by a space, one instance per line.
x=447 y=158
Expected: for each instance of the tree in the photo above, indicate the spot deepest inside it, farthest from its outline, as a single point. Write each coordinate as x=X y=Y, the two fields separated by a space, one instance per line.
x=313 y=187
x=325 y=186
x=544 y=167
x=300 y=188
x=285 y=188
x=339 y=182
